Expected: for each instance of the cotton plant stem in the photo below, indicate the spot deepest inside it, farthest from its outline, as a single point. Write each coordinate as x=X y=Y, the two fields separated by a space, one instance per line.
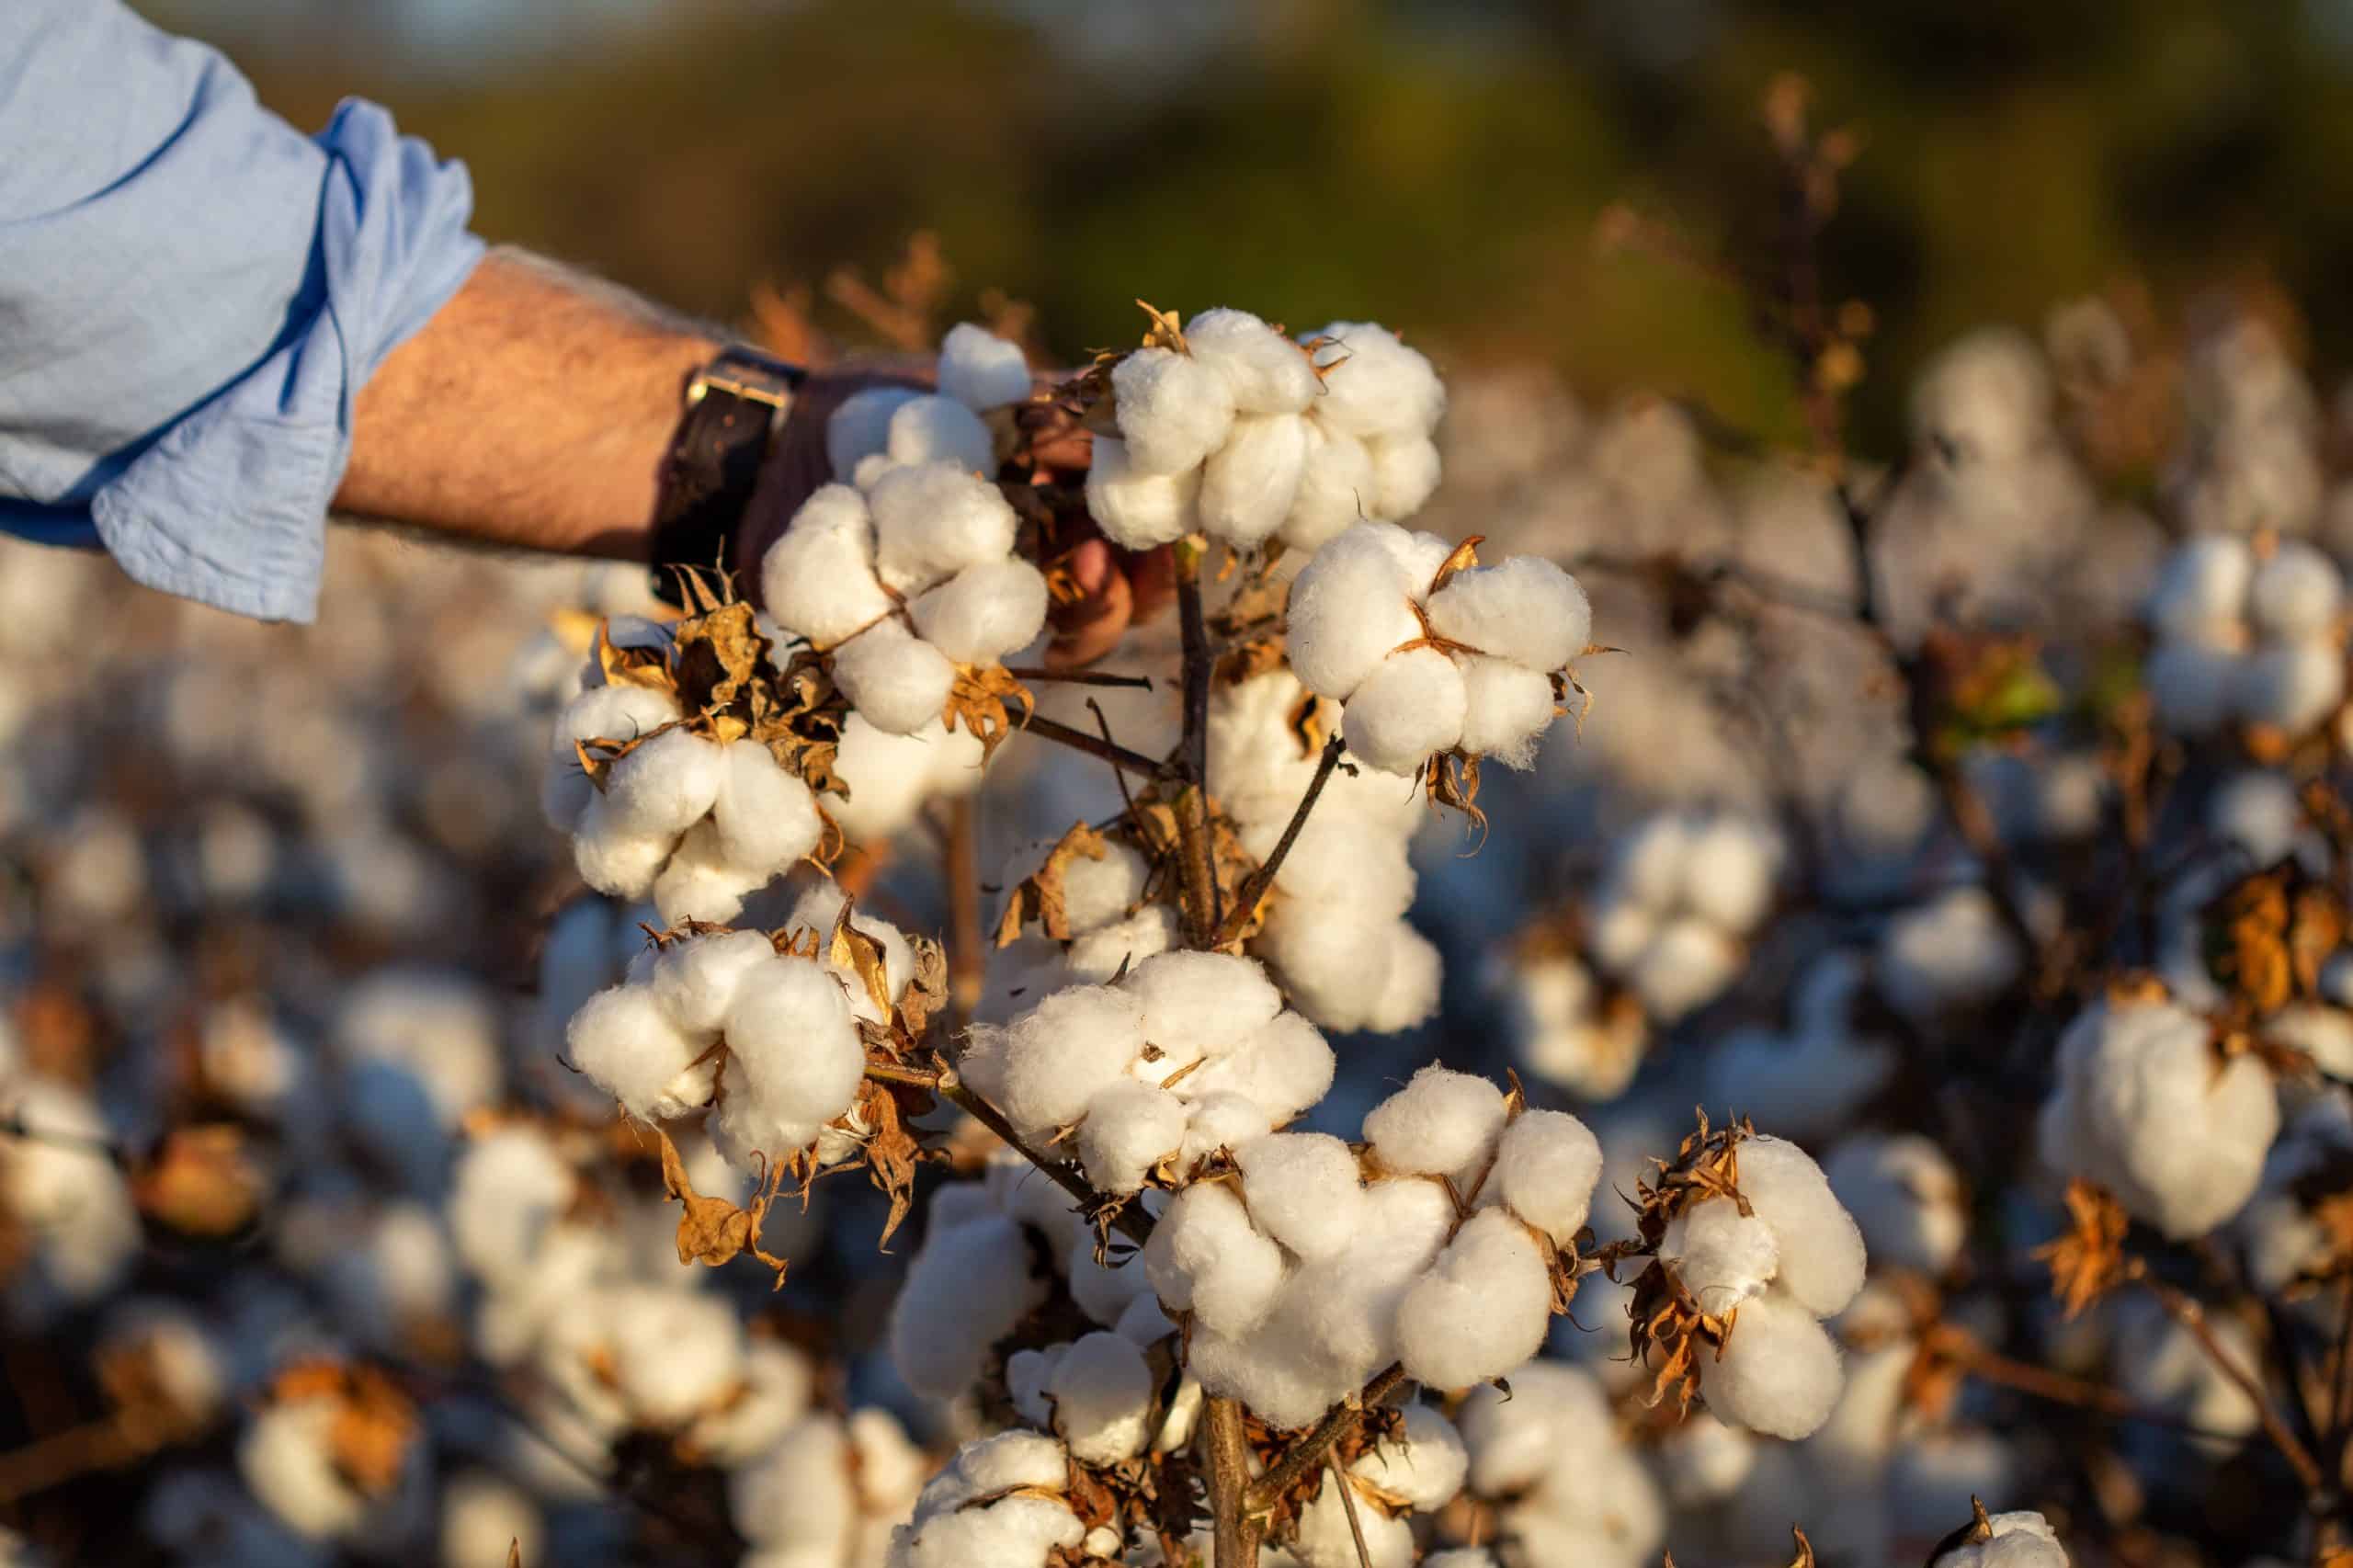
x=967 y=957
x=1132 y=1221
x=1203 y=918
x=1118 y=756
x=1348 y=1507
x=1028 y=674
x=1255 y=890
x=2057 y=1388
x=2192 y=1317
x=1236 y=1537
x=1337 y=1423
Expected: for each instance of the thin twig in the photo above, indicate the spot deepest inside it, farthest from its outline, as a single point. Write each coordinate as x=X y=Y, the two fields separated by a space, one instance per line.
x=1336 y=1424
x=1131 y=1221
x=1254 y=888
x=1026 y=674
x=1348 y=1507
x=1079 y=740
x=914 y=1077
x=2192 y=1317
x=1203 y=916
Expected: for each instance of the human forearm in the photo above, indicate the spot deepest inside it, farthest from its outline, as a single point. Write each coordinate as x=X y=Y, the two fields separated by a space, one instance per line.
x=533 y=412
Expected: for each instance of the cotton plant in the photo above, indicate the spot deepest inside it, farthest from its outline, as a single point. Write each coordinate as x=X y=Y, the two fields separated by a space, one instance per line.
x=2246 y=632
x=1675 y=912
x=1568 y=1025
x=1811 y=1077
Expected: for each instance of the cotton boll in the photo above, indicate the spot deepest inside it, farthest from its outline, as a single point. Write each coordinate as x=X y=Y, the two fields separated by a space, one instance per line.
x=1304 y=1190
x=1953 y=953
x=1207 y=1001
x=1505 y=707
x=790 y=1028
x=819 y=910
x=982 y=371
x=487 y=1522
x=1334 y=862
x=1546 y=1167
x=620 y=712
x=2295 y=595
x=1525 y=609
x=1346 y=1307
x=1173 y=410
x=984 y=612
x=766 y=817
x=965 y=1291
x=1779 y=1373
x=1350 y=608
x=287 y=1461
x=1104 y=951
x=507 y=1190
x=1728 y=871
x=1264 y=370
x=1332 y=961
x=818 y=579
x=1105 y=1292
x=1336 y=488
x=1412 y=971
x=937 y=432
x=1026 y=1376
x=1688 y=964
x=1723 y=1257
x=2204 y=582
x=1373 y=384
x=1098 y=891
x=624 y=1040
x=1224 y=1119
x=663 y=786
x=1405 y=473
x=1137 y=510
x=1283 y=1069
x=2020 y=1539
x=933 y=520
x=1460 y=1557
x=1906 y=1198
x=1821 y=1250
x=2292 y=686
x=1059 y=1054
x=1425 y=1464
x=695 y=978
x=1102 y=1393
x=1250 y=483
x=1016 y=1532
x=1323 y=1538
x=1440 y=1123
x=1130 y=1128
x=1410 y=706
x=1206 y=1258
x=1482 y=1313
x=861 y=427
x=699 y=882
x=897 y=682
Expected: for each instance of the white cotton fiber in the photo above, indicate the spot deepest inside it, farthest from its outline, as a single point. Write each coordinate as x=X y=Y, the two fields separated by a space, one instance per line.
x=933 y=520
x=1102 y=1393
x=897 y=682
x=1304 y=1190
x=1283 y=1069
x=982 y=371
x=623 y=1039
x=1206 y=1258
x=1373 y=384
x=1952 y=953
x=966 y=1289
x=1425 y=1464
x=819 y=910
x=1249 y=483
x=1419 y=556
x=1411 y=974
x=1779 y=1373
x=1525 y=609
x=1441 y=1123
x=1138 y=510
x=1336 y=488
x=1206 y=1003
x=861 y=427
x=2020 y=1539
x=613 y=861
x=1334 y=962
x=695 y=978
x=984 y=612
x=1729 y=864
x=1225 y=1120
x=1821 y=1250
x=766 y=818
x=616 y=712
x=1130 y=1128
x=1104 y=1293
x=663 y=786
x=790 y=1028
x=1505 y=707
x=1547 y=1164
x=1482 y=1311
x=1334 y=861
x=1722 y=1257
x=1350 y=1301
x=2295 y=595
x=1043 y=1069
x=2204 y=583
x=940 y=431
x=1410 y=706
x=1098 y=891
x=2291 y=686
x=818 y=580
x=700 y=882
x=750 y=1133
x=1350 y=608
x=1173 y=410
x=1905 y=1196
x=1104 y=951
x=1323 y=1537
x=1264 y=371
x=1405 y=474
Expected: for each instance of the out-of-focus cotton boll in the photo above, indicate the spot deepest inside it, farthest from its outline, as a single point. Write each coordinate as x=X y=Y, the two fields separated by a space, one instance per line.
x=861 y=427
x=439 y=1023
x=985 y=612
x=1779 y=1373
x=487 y=1522
x=2195 y=686
x=1441 y=1123
x=1406 y=471
x=1525 y=609
x=1987 y=396
x=2144 y=1108
x=2164 y=1366
x=2292 y=686
x=288 y=1460
x=1409 y=707
x=1350 y=608
x=928 y=431
x=1947 y=956
x=818 y=580
x=2295 y=595
x=62 y=1188
x=1905 y=1196
x=982 y=371
x=1136 y=510
x=1564 y=1031
x=2203 y=586
x=1264 y=370
x=966 y=1288
x=1323 y=1539
x=933 y=520
x=2020 y=1539
x=1248 y=485
x=897 y=682
x=1336 y=488
x=1373 y=384
x=1173 y=410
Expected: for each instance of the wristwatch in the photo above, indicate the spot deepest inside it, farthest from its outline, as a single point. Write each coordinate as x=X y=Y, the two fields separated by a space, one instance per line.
x=736 y=406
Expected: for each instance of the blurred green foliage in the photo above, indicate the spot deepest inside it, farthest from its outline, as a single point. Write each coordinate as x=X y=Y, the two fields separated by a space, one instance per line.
x=1439 y=165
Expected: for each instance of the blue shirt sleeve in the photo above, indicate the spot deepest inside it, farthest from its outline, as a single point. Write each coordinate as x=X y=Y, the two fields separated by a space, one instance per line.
x=191 y=294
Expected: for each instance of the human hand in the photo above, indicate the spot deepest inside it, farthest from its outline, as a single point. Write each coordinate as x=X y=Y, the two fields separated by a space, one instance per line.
x=1117 y=587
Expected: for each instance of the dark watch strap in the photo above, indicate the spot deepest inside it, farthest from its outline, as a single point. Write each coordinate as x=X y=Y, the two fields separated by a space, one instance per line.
x=735 y=404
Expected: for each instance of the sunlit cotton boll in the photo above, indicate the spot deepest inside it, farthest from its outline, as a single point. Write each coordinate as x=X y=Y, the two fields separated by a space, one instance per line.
x=861 y=427
x=897 y=682
x=1409 y=707
x=1173 y=410
x=1482 y=1311
x=1350 y=608
x=933 y=520
x=982 y=371
x=1136 y=510
x=1337 y=488
x=1373 y=384
x=929 y=431
x=2020 y=1539
x=1264 y=370
x=663 y=786
x=1780 y=1372
x=985 y=612
x=1525 y=609
x=1441 y=1123
x=624 y=1040
x=818 y=580
x=1248 y=485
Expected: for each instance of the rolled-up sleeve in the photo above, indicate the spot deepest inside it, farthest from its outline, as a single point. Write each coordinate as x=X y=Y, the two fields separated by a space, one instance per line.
x=191 y=295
